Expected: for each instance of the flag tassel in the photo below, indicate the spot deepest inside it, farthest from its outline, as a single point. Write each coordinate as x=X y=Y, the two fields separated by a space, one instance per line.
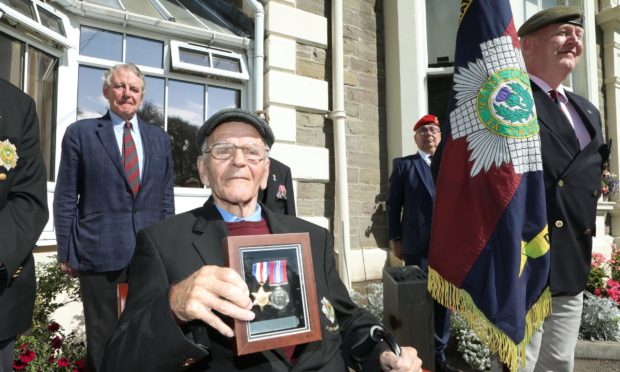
x=498 y=342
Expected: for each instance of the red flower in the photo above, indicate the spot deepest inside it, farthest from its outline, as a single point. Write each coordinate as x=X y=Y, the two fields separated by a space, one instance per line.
x=27 y=356
x=597 y=292
x=56 y=342
x=63 y=362
x=18 y=365
x=51 y=360
x=81 y=364
x=53 y=327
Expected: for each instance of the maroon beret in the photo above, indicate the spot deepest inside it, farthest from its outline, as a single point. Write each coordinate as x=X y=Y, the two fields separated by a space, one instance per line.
x=425 y=120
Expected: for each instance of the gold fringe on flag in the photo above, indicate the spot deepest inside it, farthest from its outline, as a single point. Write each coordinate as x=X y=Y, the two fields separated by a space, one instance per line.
x=459 y=300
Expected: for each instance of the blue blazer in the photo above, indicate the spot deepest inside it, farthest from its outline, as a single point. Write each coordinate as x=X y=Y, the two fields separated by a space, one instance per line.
x=95 y=214
x=412 y=192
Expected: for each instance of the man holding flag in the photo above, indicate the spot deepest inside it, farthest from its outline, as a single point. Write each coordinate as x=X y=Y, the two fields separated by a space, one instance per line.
x=505 y=175
x=573 y=154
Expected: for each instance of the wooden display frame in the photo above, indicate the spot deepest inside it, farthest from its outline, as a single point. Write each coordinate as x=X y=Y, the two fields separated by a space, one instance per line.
x=274 y=326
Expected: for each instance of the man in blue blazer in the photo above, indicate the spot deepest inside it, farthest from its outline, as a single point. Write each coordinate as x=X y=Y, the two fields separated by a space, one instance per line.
x=410 y=201
x=104 y=195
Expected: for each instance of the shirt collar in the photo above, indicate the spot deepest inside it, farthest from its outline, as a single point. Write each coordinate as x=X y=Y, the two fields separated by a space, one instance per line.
x=229 y=217
x=546 y=88
x=425 y=155
x=117 y=120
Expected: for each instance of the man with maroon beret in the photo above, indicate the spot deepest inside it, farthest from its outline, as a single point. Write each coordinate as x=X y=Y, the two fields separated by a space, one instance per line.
x=411 y=195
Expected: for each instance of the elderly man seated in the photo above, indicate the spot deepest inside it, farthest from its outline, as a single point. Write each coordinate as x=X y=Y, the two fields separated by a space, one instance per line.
x=182 y=296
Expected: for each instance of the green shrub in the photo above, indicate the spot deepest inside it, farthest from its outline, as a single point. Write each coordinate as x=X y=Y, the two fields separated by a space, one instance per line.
x=600 y=320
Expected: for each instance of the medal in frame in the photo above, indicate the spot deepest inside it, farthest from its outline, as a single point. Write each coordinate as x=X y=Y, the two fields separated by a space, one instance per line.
x=278 y=271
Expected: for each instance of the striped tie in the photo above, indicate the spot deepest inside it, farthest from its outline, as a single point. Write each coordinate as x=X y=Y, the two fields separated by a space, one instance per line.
x=130 y=159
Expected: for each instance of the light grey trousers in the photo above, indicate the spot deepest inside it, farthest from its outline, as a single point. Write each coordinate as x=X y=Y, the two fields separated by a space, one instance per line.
x=552 y=347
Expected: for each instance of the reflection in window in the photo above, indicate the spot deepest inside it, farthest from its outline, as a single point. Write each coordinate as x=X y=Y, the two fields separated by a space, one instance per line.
x=90 y=100
x=42 y=77
x=24 y=7
x=51 y=21
x=221 y=98
x=225 y=63
x=101 y=44
x=185 y=115
x=153 y=104
x=11 y=66
x=194 y=57
x=144 y=52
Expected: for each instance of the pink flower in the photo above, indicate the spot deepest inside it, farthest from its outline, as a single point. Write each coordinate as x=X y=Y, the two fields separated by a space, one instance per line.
x=597 y=259
x=63 y=362
x=56 y=342
x=53 y=327
x=597 y=292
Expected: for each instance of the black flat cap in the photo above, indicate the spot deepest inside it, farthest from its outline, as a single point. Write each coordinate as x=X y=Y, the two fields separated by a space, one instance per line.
x=230 y=115
x=557 y=14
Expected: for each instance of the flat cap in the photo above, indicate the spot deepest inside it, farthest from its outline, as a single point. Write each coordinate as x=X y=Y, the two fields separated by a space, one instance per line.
x=234 y=114
x=556 y=14
x=425 y=120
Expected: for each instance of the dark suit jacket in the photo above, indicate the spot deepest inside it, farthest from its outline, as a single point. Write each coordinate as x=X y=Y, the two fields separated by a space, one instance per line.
x=95 y=213
x=412 y=192
x=572 y=188
x=279 y=175
x=23 y=209
x=172 y=250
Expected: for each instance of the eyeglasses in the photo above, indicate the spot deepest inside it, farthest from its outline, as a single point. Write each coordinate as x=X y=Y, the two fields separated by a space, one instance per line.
x=429 y=129
x=225 y=151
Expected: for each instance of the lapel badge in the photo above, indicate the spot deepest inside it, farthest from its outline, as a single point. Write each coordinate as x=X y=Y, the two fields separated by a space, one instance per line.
x=274 y=177
x=281 y=194
x=8 y=155
x=330 y=314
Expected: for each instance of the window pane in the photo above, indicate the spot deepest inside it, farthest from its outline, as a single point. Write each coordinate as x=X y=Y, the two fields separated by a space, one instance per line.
x=226 y=63
x=24 y=7
x=194 y=57
x=11 y=66
x=221 y=98
x=51 y=21
x=185 y=115
x=90 y=102
x=144 y=52
x=438 y=90
x=152 y=109
x=442 y=21
x=42 y=77
x=101 y=44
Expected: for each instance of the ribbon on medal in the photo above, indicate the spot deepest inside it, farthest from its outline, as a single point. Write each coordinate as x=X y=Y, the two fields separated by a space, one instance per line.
x=261 y=297
x=277 y=279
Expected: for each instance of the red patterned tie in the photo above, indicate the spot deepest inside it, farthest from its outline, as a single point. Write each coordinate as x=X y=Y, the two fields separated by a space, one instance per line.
x=130 y=159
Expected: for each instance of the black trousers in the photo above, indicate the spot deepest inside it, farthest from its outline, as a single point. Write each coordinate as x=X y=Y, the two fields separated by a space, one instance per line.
x=6 y=355
x=98 y=292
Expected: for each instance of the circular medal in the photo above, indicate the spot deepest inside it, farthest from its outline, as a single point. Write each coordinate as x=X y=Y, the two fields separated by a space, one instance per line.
x=279 y=298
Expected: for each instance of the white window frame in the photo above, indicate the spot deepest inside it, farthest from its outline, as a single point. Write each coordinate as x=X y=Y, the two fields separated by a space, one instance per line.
x=36 y=25
x=177 y=64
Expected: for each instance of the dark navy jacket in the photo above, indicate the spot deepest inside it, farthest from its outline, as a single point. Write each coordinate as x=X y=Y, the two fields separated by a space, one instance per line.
x=412 y=192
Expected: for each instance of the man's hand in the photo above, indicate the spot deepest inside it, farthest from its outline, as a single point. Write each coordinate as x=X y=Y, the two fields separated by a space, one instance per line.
x=64 y=266
x=408 y=361
x=212 y=288
x=395 y=246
